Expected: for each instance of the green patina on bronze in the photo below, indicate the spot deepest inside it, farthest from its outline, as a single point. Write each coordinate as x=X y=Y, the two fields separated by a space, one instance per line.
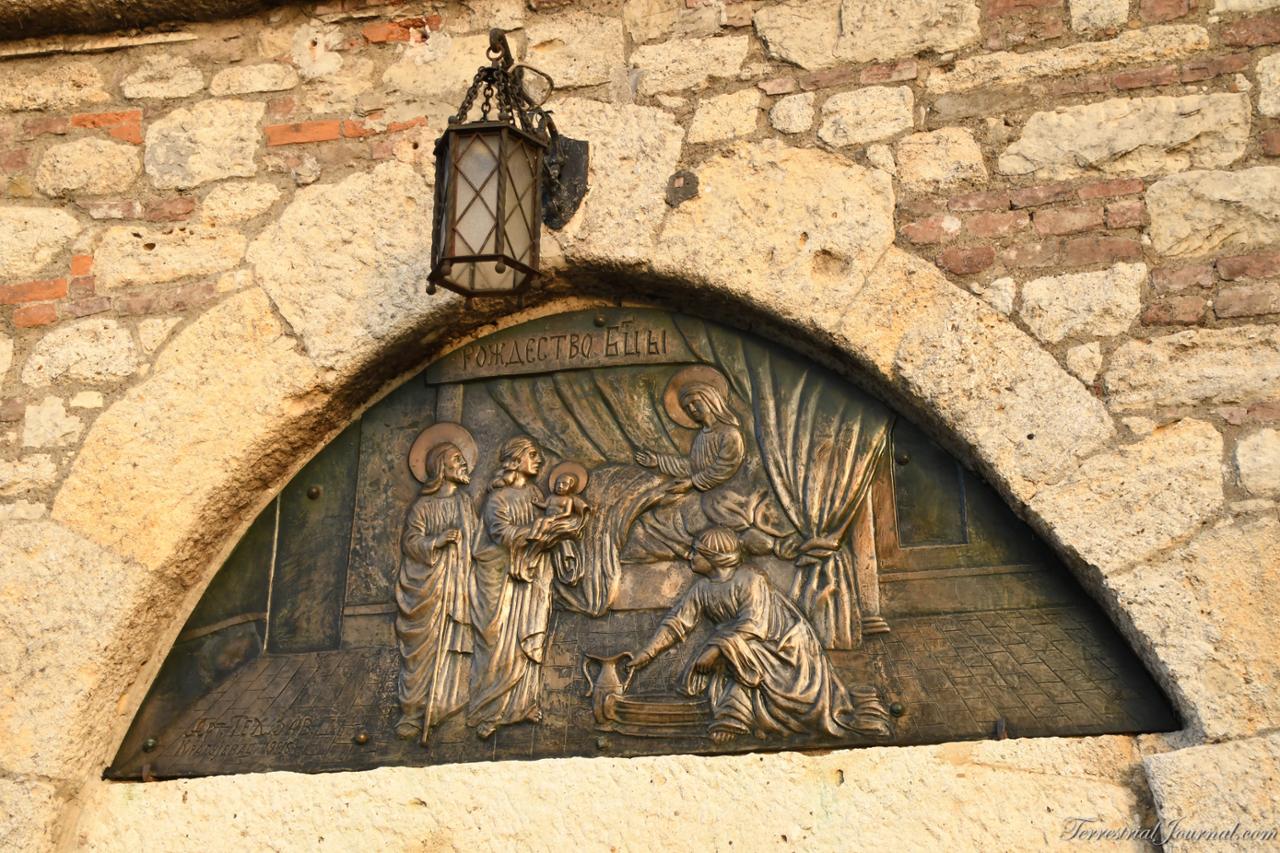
x=629 y=532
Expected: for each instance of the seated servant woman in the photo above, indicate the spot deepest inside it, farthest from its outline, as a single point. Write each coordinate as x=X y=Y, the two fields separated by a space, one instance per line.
x=762 y=669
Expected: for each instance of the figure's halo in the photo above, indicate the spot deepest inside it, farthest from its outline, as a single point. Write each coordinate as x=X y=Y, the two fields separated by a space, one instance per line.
x=694 y=373
x=441 y=433
x=568 y=467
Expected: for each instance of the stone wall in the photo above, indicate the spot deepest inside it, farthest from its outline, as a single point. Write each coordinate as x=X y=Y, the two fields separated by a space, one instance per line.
x=1050 y=230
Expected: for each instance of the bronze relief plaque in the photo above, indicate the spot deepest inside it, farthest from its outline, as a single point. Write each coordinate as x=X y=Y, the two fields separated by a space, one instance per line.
x=629 y=532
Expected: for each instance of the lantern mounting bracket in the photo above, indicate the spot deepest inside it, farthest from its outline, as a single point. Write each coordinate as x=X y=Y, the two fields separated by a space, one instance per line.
x=505 y=86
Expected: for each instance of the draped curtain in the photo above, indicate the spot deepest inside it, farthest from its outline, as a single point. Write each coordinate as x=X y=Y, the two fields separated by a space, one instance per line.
x=819 y=441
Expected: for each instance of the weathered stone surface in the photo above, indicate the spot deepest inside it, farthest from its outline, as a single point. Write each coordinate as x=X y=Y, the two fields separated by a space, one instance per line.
x=687 y=63
x=619 y=800
x=941 y=160
x=1258 y=461
x=441 y=66
x=1152 y=44
x=315 y=47
x=999 y=294
x=634 y=150
x=32 y=810
x=70 y=657
x=47 y=424
x=993 y=385
x=866 y=115
x=880 y=156
x=38 y=85
x=134 y=255
x=89 y=167
x=1240 y=365
x=818 y=223
x=1245 y=5
x=25 y=475
x=1092 y=15
x=87 y=400
x=725 y=116
x=22 y=511
x=1207 y=613
x=1201 y=212
x=163 y=76
x=246 y=79
x=1269 y=85
x=238 y=201
x=793 y=114
x=152 y=472
x=576 y=48
x=874 y=30
x=1092 y=304
x=206 y=142
x=93 y=350
x=340 y=92
x=344 y=263
x=1152 y=494
x=649 y=20
x=802 y=32
x=1237 y=784
x=1085 y=361
x=1132 y=137
x=829 y=32
x=6 y=355
x=154 y=330
x=30 y=237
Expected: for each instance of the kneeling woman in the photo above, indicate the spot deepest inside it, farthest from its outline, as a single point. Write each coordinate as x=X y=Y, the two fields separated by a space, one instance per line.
x=762 y=669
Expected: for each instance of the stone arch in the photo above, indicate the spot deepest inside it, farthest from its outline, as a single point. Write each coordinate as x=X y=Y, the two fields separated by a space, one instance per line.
x=170 y=474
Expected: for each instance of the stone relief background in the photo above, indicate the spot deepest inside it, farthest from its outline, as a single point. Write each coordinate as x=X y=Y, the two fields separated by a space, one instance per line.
x=1049 y=229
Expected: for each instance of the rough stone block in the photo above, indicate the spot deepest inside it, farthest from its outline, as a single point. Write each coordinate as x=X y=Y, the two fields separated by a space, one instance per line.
x=162 y=76
x=128 y=255
x=1258 y=461
x=866 y=115
x=1198 y=213
x=725 y=116
x=687 y=63
x=40 y=85
x=91 y=351
x=940 y=161
x=1093 y=15
x=248 y=79
x=206 y=142
x=88 y=166
x=575 y=48
x=1093 y=304
x=30 y=237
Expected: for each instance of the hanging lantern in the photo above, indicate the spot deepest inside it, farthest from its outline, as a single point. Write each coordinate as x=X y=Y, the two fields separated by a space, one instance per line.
x=497 y=178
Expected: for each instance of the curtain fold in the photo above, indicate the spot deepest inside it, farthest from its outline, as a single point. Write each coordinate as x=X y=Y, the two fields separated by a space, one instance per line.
x=819 y=442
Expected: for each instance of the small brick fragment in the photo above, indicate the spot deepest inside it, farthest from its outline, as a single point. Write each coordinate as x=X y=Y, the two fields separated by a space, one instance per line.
x=897 y=72
x=935 y=229
x=778 y=86
x=1002 y=8
x=81 y=286
x=168 y=210
x=967 y=260
x=100 y=120
x=1248 y=300
x=86 y=307
x=1214 y=66
x=1038 y=255
x=1110 y=189
x=1159 y=11
x=1126 y=214
x=1271 y=143
x=1166 y=279
x=1087 y=251
x=81 y=264
x=303 y=132
x=30 y=316
x=986 y=200
x=1041 y=194
x=46 y=124
x=1185 y=310
x=1068 y=220
x=33 y=291
x=1252 y=32
x=997 y=224
x=1255 y=265
x=1163 y=75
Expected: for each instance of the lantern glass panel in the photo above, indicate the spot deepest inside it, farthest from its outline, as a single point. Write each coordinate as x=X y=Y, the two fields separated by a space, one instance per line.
x=521 y=201
x=475 y=203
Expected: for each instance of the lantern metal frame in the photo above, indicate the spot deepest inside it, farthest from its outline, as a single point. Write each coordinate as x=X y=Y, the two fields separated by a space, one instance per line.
x=558 y=172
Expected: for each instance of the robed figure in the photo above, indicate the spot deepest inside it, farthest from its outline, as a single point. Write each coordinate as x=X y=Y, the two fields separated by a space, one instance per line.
x=763 y=669
x=512 y=603
x=442 y=534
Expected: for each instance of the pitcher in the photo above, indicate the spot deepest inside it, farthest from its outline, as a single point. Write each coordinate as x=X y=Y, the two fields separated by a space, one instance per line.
x=606 y=685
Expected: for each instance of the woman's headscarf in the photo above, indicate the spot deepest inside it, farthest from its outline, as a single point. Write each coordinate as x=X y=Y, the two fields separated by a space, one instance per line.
x=720 y=546
x=710 y=397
